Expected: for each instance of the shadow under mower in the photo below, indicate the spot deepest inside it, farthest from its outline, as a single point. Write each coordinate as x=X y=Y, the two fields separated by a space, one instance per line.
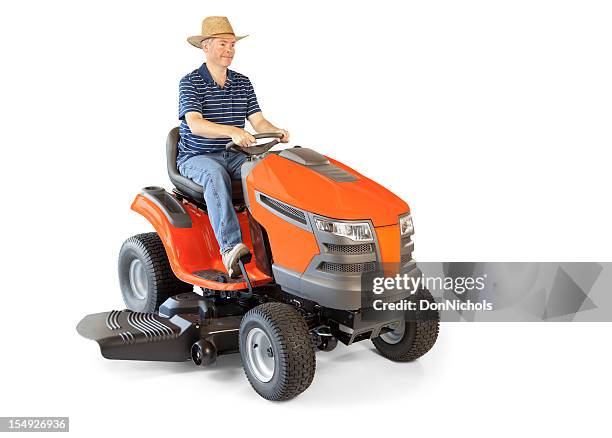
x=314 y=227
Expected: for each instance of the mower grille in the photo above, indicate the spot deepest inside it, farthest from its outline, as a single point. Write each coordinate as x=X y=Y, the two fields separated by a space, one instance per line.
x=361 y=248
x=285 y=209
x=353 y=268
x=406 y=248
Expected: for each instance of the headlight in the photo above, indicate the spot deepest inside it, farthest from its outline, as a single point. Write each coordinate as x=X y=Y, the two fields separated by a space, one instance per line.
x=358 y=232
x=406 y=227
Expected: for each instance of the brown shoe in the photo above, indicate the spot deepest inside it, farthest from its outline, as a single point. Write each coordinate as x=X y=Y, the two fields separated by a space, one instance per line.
x=230 y=259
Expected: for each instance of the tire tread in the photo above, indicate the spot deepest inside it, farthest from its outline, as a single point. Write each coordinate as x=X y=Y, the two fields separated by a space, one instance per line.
x=299 y=364
x=426 y=331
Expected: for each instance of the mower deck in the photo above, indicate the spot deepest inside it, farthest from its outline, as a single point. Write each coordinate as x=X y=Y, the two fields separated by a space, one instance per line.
x=168 y=336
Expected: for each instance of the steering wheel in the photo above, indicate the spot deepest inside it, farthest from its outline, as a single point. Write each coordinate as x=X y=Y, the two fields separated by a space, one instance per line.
x=259 y=149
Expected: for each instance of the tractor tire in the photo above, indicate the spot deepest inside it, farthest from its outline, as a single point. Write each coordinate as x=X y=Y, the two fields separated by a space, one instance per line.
x=276 y=350
x=145 y=276
x=413 y=337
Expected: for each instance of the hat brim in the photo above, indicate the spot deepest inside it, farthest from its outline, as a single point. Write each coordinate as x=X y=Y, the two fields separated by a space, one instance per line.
x=196 y=40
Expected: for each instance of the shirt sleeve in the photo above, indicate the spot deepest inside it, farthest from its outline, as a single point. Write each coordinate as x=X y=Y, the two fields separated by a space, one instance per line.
x=188 y=98
x=252 y=104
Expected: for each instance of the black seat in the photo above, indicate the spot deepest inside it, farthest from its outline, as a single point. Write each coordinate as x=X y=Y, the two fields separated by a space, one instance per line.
x=185 y=186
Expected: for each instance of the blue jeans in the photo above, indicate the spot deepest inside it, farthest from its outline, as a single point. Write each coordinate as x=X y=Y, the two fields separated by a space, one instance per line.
x=214 y=173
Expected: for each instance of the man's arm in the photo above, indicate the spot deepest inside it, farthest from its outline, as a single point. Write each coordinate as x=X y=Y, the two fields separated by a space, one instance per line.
x=261 y=124
x=202 y=127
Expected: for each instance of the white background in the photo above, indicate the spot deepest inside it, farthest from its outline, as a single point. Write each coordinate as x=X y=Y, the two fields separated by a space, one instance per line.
x=490 y=118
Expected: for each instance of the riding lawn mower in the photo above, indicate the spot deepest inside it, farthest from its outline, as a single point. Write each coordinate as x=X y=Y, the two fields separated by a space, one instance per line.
x=315 y=228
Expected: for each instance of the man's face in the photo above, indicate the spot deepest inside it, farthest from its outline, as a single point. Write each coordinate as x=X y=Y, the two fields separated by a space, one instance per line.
x=220 y=50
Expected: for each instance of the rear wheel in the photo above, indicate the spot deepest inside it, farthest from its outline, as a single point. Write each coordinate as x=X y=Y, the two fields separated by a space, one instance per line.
x=276 y=350
x=145 y=276
x=412 y=338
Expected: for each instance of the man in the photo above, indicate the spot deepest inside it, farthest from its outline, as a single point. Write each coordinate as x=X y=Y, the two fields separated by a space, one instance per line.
x=213 y=105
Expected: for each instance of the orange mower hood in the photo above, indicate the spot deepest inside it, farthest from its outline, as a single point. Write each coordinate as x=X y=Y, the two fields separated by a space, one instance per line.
x=303 y=187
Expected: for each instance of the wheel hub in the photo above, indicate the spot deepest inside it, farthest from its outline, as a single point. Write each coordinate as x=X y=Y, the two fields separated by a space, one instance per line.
x=396 y=335
x=138 y=279
x=260 y=355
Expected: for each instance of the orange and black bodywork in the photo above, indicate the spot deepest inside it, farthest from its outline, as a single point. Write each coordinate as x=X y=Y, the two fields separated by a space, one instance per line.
x=318 y=231
x=285 y=195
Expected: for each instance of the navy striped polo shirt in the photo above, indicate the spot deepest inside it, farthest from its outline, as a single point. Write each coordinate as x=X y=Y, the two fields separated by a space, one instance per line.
x=230 y=105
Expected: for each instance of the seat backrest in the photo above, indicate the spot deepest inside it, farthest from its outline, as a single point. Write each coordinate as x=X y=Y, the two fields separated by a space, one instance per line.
x=172 y=152
x=185 y=185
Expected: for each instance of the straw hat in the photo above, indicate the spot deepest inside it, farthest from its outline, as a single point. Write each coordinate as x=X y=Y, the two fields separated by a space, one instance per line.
x=211 y=27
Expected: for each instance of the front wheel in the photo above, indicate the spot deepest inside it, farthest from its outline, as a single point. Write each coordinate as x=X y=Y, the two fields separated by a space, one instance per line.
x=276 y=350
x=412 y=338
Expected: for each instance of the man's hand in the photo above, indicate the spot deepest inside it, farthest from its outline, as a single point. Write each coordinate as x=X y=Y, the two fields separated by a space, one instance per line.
x=285 y=137
x=260 y=124
x=242 y=138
